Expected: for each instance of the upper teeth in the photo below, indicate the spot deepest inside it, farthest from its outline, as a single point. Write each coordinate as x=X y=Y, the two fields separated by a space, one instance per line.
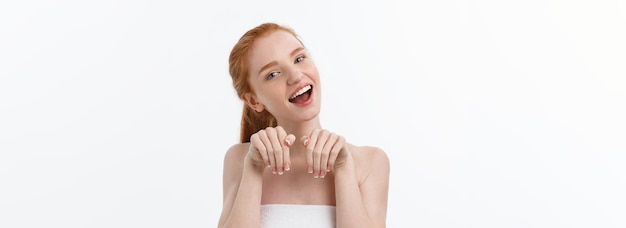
x=301 y=91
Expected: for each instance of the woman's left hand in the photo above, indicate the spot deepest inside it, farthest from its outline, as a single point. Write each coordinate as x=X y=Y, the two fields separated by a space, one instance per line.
x=325 y=152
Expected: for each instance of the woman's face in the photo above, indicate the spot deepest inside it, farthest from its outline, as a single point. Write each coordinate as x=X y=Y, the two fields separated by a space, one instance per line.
x=284 y=78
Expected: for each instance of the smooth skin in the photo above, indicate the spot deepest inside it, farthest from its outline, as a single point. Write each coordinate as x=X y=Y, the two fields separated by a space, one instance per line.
x=298 y=162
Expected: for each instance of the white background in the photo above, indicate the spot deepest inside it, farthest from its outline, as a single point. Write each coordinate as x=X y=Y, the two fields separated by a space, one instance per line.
x=493 y=113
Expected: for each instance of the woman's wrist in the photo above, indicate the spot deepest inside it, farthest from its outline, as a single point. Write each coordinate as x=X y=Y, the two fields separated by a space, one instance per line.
x=252 y=166
x=346 y=166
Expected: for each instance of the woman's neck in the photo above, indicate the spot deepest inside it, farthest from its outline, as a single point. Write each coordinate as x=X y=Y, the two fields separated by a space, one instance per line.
x=300 y=129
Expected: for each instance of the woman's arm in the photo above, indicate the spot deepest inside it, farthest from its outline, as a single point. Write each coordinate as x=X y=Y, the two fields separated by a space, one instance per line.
x=242 y=184
x=362 y=203
x=243 y=175
x=361 y=177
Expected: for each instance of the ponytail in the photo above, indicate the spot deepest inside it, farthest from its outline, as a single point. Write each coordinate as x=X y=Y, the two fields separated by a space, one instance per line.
x=253 y=121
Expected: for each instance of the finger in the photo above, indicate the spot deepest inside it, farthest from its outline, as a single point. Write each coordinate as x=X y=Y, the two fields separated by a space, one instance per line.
x=334 y=153
x=310 y=142
x=272 y=134
x=286 y=152
x=306 y=141
x=326 y=151
x=278 y=138
x=260 y=149
x=290 y=139
x=270 y=150
x=320 y=141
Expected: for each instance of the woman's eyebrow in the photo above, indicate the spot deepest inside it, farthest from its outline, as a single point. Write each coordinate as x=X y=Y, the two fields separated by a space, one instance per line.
x=270 y=64
x=296 y=50
x=274 y=63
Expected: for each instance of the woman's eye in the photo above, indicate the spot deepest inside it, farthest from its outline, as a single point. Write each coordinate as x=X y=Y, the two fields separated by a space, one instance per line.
x=271 y=75
x=299 y=59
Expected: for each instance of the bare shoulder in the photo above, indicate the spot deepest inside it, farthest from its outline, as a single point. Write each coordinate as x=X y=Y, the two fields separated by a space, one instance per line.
x=368 y=153
x=233 y=159
x=370 y=158
x=236 y=152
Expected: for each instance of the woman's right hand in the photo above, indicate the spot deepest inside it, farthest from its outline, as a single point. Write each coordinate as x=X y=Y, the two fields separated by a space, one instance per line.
x=270 y=148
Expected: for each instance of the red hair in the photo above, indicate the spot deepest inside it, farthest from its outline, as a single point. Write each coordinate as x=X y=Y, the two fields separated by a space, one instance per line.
x=251 y=120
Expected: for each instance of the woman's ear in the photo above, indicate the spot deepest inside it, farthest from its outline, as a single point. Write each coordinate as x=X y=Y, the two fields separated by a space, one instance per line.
x=252 y=102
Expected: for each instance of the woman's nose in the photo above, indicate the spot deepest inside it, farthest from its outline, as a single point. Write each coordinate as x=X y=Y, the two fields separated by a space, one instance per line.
x=295 y=77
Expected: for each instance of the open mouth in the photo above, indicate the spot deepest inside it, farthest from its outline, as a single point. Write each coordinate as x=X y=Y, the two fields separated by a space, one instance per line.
x=302 y=94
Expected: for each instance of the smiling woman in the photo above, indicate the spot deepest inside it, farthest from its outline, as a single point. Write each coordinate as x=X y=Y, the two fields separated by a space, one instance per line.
x=287 y=171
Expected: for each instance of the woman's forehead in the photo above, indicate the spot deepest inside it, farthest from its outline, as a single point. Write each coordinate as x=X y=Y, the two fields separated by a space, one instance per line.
x=275 y=45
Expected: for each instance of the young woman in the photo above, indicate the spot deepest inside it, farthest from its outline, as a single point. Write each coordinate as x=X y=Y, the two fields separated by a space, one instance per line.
x=288 y=171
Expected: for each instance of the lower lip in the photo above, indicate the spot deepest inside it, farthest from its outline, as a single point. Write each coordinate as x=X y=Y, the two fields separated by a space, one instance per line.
x=307 y=101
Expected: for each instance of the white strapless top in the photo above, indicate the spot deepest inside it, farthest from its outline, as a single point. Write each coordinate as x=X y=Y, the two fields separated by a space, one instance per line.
x=297 y=215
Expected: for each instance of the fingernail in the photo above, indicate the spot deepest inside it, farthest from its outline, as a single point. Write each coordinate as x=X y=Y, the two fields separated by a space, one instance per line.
x=305 y=141
x=280 y=172
x=316 y=176
x=289 y=140
x=328 y=169
x=310 y=170
x=287 y=167
x=323 y=174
